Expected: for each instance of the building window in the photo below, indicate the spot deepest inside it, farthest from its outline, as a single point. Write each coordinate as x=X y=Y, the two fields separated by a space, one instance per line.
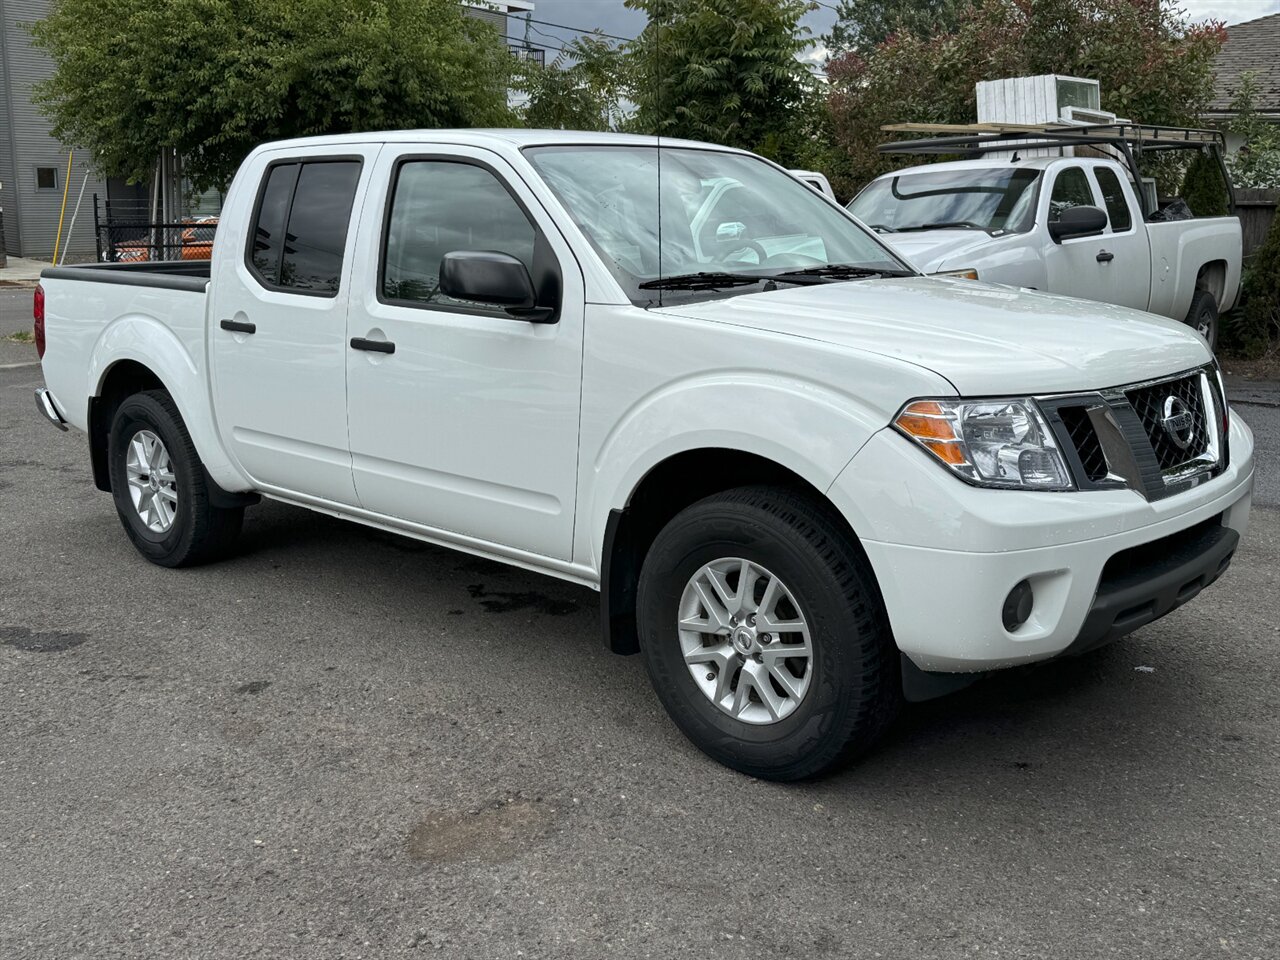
x=46 y=178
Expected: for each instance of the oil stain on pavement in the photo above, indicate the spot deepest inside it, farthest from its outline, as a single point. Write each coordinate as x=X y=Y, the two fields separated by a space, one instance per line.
x=30 y=641
x=494 y=834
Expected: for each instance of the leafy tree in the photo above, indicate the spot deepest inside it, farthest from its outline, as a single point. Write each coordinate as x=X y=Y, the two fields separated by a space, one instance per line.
x=214 y=78
x=724 y=71
x=1257 y=163
x=862 y=24
x=1154 y=67
x=582 y=89
x=1203 y=188
x=1253 y=328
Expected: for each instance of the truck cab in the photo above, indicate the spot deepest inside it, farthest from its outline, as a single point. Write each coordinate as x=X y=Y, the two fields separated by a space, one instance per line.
x=1007 y=220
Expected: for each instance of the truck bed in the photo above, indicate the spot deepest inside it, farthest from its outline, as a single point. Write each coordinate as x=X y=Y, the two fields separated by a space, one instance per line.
x=165 y=274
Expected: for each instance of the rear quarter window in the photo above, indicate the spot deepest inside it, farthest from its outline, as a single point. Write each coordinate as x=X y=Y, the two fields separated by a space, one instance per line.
x=1114 y=197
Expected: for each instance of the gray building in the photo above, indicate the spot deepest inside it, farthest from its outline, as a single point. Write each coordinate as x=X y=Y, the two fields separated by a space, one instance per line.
x=33 y=165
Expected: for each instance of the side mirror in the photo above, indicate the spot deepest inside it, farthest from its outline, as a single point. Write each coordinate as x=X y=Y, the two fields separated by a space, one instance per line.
x=1084 y=221
x=497 y=279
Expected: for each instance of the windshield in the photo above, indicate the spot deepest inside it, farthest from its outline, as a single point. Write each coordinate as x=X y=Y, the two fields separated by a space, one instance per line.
x=722 y=214
x=995 y=199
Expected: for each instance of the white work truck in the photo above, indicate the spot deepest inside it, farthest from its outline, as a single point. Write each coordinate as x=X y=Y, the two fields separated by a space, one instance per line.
x=1071 y=225
x=806 y=480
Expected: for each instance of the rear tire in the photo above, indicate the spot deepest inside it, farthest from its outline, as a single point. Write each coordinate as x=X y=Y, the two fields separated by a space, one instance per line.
x=1203 y=316
x=160 y=488
x=849 y=685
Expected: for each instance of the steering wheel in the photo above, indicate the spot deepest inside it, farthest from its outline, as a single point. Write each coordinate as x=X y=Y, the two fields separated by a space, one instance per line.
x=739 y=246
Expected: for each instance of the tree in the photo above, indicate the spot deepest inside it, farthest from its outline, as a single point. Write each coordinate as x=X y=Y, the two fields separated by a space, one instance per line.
x=1203 y=188
x=1253 y=328
x=725 y=71
x=1257 y=163
x=863 y=24
x=1154 y=67
x=214 y=78
x=582 y=89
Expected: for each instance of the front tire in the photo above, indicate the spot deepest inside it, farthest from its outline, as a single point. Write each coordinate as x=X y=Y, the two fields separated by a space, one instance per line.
x=159 y=485
x=1203 y=317
x=765 y=636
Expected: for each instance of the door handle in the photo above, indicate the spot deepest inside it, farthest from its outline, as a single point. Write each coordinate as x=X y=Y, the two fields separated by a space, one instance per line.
x=236 y=326
x=1105 y=257
x=377 y=346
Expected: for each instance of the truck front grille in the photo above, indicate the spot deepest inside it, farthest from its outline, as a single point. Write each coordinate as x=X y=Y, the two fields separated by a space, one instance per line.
x=1158 y=407
x=1085 y=440
x=1158 y=438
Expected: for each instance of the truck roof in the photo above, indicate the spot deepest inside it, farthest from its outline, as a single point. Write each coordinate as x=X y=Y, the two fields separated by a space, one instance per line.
x=506 y=137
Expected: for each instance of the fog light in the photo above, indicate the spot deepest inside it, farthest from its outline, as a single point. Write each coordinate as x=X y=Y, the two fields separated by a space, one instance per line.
x=1017 y=606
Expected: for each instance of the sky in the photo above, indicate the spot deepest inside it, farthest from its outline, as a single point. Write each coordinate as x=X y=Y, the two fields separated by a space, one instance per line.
x=612 y=16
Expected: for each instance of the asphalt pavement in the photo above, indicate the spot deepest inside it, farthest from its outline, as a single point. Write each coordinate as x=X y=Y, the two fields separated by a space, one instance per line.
x=343 y=743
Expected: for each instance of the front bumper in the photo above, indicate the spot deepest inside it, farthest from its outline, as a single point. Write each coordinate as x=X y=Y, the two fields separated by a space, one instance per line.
x=1100 y=563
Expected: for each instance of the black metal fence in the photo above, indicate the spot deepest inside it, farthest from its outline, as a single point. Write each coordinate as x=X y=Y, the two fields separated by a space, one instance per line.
x=523 y=51
x=126 y=234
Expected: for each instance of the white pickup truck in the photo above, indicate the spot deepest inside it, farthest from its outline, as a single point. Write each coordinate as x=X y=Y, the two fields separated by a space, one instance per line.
x=806 y=481
x=1067 y=225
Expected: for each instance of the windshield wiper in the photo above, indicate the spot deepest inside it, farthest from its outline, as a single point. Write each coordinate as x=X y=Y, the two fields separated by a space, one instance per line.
x=944 y=225
x=841 y=271
x=708 y=280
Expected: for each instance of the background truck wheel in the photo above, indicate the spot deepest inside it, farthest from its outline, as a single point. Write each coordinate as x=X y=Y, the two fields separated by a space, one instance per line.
x=159 y=485
x=765 y=636
x=1203 y=317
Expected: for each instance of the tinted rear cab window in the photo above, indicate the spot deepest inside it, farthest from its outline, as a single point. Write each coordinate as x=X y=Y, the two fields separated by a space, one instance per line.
x=300 y=230
x=1113 y=196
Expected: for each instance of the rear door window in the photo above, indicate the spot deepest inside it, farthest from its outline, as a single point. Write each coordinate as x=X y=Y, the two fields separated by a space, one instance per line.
x=1114 y=197
x=300 y=231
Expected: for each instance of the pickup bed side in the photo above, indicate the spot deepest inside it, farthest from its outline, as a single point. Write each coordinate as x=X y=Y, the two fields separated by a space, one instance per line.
x=1190 y=255
x=113 y=329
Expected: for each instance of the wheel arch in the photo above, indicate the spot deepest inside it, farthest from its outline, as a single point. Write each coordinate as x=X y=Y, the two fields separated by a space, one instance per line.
x=1212 y=276
x=665 y=489
x=122 y=378
x=118 y=382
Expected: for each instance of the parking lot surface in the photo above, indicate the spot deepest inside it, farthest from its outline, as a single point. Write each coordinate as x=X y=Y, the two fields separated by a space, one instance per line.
x=342 y=743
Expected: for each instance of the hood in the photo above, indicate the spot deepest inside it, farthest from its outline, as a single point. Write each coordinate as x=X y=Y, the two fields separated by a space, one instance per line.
x=928 y=249
x=985 y=338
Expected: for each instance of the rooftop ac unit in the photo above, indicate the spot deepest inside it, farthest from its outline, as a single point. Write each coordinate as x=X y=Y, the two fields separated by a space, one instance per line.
x=1035 y=99
x=1084 y=115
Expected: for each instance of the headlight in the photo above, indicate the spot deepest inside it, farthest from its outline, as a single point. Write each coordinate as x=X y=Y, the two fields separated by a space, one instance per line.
x=989 y=443
x=966 y=274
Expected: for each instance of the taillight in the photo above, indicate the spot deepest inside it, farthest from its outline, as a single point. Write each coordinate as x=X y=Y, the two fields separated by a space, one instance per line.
x=37 y=310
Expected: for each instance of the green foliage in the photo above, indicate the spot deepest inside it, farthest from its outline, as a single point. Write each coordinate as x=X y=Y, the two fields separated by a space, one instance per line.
x=1253 y=328
x=863 y=24
x=214 y=78
x=1154 y=67
x=582 y=89
x=1257 y=163
x=1203 y=188
x=724 y=71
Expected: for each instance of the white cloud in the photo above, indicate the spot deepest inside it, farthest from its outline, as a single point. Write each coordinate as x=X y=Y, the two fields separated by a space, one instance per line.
x=1231 y=11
